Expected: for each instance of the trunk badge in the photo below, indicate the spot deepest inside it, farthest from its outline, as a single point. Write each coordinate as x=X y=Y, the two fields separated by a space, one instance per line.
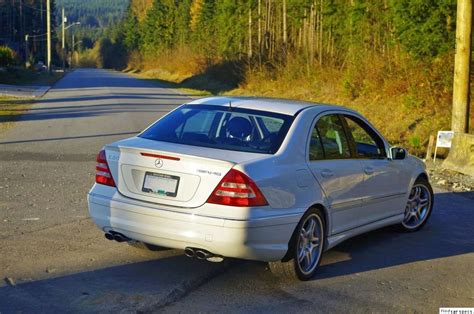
x=158 y=163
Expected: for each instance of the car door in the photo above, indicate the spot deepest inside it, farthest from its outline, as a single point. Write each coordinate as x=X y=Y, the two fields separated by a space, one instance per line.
x=339 y=175
x=382 y=192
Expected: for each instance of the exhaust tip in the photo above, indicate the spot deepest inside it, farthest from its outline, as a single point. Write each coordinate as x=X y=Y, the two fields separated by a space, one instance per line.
x=202 y=255
x=109 y=236
x=189 y=252
x=119 y=238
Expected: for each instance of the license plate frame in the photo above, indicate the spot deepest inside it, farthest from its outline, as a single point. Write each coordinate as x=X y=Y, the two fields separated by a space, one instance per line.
x=160 y=192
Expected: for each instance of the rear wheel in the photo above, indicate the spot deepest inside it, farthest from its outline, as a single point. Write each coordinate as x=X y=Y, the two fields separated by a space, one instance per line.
x=305 y=249
x=419 y=206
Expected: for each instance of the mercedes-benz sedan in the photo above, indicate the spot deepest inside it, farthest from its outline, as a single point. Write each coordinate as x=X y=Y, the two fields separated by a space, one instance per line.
x=255 y=178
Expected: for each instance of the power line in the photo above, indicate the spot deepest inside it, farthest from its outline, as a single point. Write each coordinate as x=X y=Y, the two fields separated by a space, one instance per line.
x=33 y=8
x=34 y=36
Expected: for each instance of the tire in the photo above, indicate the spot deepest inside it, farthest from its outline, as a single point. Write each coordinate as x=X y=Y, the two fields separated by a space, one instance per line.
x=419 y=206
x=145 y=246
x=304 y=250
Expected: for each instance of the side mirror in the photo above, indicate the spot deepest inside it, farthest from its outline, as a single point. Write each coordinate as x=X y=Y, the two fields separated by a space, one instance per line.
x=398 y=153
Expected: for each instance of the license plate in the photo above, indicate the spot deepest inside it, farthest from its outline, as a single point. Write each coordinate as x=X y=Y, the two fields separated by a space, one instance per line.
x=160 y=184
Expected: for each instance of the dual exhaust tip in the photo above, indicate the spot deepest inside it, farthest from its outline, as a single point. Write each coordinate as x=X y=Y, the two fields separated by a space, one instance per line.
x=202 y=254
x=117 y=237
x=188 y=251
x=198 y=253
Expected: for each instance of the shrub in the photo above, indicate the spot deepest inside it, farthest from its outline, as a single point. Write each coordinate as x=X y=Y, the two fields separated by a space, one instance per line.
x=7 y=56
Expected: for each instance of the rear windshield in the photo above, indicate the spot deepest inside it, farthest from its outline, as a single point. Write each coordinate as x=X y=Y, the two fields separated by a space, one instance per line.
x=223 y=128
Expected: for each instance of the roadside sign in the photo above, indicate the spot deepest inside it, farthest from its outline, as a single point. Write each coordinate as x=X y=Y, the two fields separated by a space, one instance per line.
x=444 y=140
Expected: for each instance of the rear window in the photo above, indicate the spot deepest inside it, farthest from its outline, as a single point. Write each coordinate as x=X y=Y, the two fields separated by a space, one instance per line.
x=222 y=128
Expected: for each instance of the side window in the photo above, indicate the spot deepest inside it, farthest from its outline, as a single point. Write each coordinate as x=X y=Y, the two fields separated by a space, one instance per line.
x=315 y=147
x=332 y=138
x=367 y=143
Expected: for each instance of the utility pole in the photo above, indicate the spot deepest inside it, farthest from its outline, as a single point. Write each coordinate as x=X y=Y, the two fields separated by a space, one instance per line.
x=250 y=31
x=284 y=23
x=462 y=67
x=26 y=51
x=63 y=45
x=72 y=50
x=48 y=31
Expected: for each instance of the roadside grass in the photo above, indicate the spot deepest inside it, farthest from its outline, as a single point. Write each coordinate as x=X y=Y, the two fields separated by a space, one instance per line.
x=11 y=109
x=23 y=77
x=184 y=70
x=407 y=100
x=168 y=80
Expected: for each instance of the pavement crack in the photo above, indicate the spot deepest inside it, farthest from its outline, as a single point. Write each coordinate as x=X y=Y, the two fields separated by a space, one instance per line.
x=185 y=288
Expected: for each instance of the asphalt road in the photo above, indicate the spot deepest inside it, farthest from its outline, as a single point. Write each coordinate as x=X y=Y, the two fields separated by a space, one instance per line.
x=54 y=259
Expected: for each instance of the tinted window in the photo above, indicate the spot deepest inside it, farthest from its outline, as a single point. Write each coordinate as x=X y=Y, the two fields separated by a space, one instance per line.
x=199 y=123
x=332 y=137
x=218 y=127
x=315 y=147
x=367 y=143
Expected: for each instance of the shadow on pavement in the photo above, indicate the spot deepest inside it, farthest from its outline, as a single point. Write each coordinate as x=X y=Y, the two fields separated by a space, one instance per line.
x=69 y=138
x=130 y=97
x=448 y=233
x=216 y=79
x=134 y=287
x=89 y=111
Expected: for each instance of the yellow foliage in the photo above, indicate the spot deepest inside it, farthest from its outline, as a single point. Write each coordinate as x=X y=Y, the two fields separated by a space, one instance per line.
x=140 y=7
x=406 y=100
x=195 y=10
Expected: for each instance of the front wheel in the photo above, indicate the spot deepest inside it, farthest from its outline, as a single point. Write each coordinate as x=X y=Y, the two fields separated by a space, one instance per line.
x=419 y=206
x=305 y=249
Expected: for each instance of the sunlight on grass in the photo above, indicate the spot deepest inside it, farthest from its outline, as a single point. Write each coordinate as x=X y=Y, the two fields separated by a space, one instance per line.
x=11 y=108
x=169 y=80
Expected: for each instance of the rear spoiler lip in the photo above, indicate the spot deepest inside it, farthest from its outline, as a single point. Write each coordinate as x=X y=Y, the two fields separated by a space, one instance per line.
x=123 y=148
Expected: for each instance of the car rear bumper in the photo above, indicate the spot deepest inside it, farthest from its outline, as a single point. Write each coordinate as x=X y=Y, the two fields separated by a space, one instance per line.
x=264 y=239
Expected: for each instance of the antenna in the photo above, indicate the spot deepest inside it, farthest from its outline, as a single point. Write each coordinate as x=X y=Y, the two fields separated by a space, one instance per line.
x=230 y=105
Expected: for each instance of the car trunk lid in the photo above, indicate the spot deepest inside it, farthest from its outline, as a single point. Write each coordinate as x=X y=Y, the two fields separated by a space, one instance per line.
x=167 y=173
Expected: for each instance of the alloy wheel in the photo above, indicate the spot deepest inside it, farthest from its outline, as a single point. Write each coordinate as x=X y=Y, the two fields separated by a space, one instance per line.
x=310 y=244
x=418 y=206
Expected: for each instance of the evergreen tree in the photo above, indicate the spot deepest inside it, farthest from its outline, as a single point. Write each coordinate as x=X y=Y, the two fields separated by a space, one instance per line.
x=425 y=27
x=159 y=27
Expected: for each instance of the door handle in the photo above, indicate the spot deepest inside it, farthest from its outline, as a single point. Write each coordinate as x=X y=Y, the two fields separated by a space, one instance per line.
x=368 y=170
x=327 y=173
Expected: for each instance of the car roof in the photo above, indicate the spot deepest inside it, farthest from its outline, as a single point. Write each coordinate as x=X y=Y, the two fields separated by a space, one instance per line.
x=283 y=106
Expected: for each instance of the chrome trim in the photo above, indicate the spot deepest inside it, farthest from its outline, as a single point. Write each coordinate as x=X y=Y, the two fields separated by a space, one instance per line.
x=345 y=205
x=376 y=199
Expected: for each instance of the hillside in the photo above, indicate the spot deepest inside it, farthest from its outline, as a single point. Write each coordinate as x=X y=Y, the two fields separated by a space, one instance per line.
x=94 y=16
x=390 y=60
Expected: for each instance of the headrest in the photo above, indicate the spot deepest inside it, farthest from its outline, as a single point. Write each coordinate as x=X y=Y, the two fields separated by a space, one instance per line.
x=239 y=127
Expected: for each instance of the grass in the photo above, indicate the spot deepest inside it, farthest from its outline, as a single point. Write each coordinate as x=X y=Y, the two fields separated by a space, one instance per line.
x=11 y=108
x=407 y=100
x=167 y=80
x=21 y=76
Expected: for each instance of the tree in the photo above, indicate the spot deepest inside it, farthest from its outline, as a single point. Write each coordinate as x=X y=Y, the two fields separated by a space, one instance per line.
x=425 y=27
x=159 y=27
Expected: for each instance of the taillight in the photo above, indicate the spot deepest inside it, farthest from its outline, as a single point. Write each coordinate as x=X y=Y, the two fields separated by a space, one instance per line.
x=237 y=189
x=102 y=171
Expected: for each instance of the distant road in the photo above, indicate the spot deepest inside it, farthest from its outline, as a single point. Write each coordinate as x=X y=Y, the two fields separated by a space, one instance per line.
x=55 y=143
x=53 y=259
